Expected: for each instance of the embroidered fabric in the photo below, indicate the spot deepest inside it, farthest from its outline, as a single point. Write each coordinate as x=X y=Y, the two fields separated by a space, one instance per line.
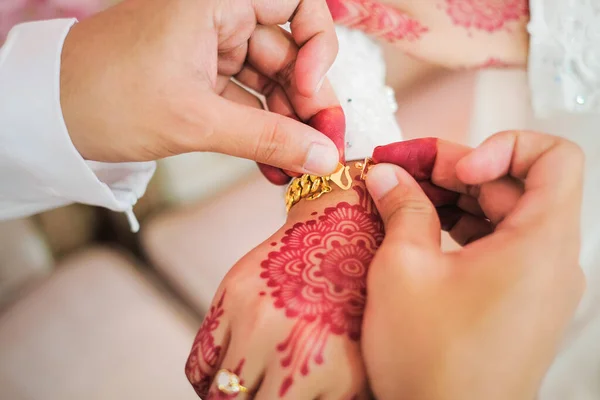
x=564 y=56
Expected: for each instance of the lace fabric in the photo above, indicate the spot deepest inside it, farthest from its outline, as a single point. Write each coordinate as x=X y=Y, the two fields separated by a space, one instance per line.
x=358 y=78
x=564 y=56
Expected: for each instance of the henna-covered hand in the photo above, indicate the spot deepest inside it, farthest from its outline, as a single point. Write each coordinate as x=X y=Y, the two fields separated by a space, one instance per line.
x=454 y=33
x=287 y=318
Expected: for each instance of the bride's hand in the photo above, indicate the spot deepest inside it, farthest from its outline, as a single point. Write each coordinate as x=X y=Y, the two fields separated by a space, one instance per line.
x=287 y=318
x=453 y=33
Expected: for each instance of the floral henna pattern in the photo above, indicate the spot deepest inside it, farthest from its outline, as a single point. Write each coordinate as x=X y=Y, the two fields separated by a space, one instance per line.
x=486 y=15
x=318 y=277
x=376 y=19
x=202 y=362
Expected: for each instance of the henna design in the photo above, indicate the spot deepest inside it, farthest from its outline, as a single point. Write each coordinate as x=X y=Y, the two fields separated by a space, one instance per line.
x=202 y=362
x=318 y=277
x=486 y=15
x=376 y=19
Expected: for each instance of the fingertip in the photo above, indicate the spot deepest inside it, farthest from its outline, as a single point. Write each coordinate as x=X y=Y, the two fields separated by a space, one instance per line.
x=322 y=158
x=273 y=174
x=382 y=179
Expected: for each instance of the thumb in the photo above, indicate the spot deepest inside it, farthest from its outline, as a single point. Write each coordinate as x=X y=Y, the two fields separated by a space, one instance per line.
x=408 y=215
x=270 y=138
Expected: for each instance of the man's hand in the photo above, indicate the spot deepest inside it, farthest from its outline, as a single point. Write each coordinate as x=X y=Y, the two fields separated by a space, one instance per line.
x=149 y=79
x=484 y=322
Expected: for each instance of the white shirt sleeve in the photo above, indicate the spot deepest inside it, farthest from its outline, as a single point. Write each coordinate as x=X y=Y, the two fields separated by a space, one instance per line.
x=40 y=168
x=564 y=56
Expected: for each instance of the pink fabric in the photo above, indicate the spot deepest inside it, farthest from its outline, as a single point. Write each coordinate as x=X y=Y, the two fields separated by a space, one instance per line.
x=13 y=12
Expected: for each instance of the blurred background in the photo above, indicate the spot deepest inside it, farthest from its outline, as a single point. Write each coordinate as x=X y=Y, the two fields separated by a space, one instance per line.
x=89 y=310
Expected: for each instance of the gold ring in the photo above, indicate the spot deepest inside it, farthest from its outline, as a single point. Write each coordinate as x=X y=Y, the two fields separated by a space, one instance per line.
x=229 y=383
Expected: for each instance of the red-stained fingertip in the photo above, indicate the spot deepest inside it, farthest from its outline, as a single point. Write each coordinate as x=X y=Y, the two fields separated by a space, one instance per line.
x=273 y=174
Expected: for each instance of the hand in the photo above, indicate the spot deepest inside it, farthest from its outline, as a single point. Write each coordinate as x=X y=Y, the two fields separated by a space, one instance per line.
x=453 y=33
x=484 y=322
x=145 y=80
x=287 y=317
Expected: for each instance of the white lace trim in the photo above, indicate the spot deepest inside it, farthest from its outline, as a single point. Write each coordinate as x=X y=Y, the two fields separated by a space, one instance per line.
x=358 y=78
x=564 y=56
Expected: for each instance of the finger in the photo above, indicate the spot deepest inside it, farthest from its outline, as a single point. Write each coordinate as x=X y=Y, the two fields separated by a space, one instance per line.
x=273 y=53
x=417 y=156
x=436 y=160
x=538 y=159
x=275 y=96
x=208 y=349
x=274 y=175
x=469 y=228
x=270 y=139
x=407 y=213
x=235 y=93
x=499 y=198
x=470 y=205
x=338 y=375
x=313 y=31
x=232 y=60
x=249 y=353
x=438 y=196
x=427 y=159
x=551 y=168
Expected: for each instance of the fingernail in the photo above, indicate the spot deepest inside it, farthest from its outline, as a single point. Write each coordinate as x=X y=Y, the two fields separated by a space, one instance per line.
x=320 y=85
x=321 y=159
x=381 y=179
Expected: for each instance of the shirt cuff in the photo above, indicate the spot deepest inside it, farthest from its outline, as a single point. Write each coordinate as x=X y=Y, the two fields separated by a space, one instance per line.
x=564 y=56
x=39 y=166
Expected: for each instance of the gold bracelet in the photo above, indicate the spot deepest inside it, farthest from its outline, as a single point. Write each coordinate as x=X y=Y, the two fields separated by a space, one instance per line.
x=311 y=187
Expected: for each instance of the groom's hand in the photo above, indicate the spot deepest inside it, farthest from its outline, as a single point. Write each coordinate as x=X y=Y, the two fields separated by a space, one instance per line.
x=483 y=322
x=149 y=79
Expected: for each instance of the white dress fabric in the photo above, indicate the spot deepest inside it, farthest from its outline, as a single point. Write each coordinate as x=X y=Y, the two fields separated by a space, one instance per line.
x=40 y=168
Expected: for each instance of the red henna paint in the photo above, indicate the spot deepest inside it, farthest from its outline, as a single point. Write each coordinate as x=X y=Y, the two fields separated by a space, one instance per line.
x=486 y=15
x=332 y=123
x=376 y=19
x=437 y=195
x=318 y=277
x=416 y=156
x=273 y=174
x=204 y=356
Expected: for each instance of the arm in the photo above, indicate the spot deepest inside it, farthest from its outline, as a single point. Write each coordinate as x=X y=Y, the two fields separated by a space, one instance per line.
x=290 y=312
x=39 y=167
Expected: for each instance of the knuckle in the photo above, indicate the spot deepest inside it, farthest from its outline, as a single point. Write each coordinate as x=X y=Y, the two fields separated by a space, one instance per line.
x=405 y=206
x=270 y=139
x=285 y=75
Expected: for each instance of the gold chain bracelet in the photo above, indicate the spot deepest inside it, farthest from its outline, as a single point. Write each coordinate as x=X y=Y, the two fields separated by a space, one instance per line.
x=311 y=187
